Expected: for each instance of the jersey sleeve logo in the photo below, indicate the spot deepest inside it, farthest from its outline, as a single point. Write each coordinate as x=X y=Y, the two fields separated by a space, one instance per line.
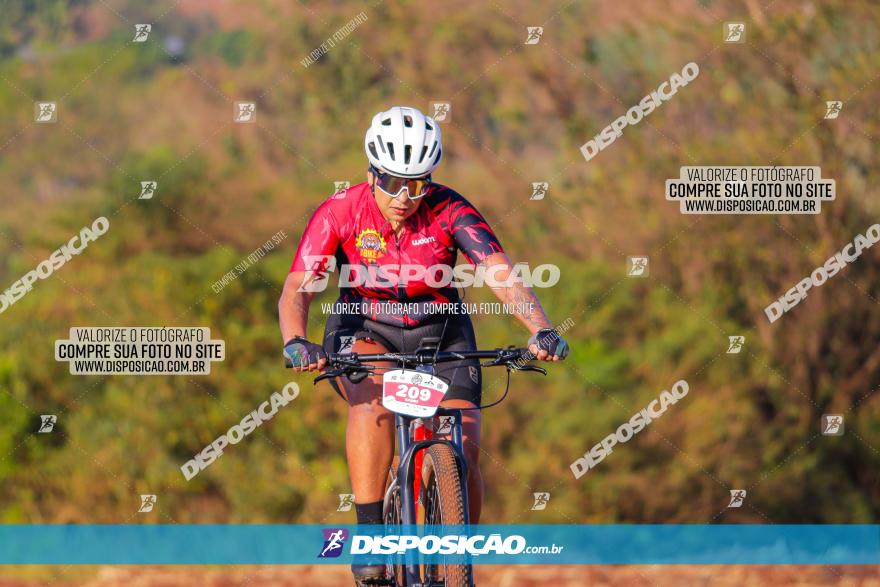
x=370 y=245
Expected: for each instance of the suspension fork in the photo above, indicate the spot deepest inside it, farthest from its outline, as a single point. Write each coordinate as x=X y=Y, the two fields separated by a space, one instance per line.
x=408 y=475
x=458 y=447
x=411 y=455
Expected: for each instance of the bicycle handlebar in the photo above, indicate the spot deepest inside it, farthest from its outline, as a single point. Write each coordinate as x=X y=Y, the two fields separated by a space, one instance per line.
x=430 y=357
x=351 y=364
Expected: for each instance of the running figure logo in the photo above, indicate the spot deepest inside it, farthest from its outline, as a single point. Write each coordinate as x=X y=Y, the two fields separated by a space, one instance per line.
x=735 y=32
x=637 y=266
x=541 y=500
x=736 y=344
x=339 y=186
x=245 y=112
x=346 y=345
x=440 y=111
x=832 y=108
x=45 y=112
x=47 y=423
x=141 y=32
x=832 y=424
x=334 y=539
x=737 y=496
x=445 y=425
x=148 y=188
x=539 y=189
x=346 y=500
x=147 y=503
x=534 y=35
x=318 y=269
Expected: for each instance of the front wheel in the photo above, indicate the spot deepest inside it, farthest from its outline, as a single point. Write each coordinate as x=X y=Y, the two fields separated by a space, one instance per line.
x=442 y=497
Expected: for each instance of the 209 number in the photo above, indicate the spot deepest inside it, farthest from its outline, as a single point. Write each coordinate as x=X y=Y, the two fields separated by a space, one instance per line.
x=413 y=392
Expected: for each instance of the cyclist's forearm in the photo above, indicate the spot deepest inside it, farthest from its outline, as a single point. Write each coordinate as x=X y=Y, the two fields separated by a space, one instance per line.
x=526 y=307
x=293 y=314
x=293 y=309
x=518 y=296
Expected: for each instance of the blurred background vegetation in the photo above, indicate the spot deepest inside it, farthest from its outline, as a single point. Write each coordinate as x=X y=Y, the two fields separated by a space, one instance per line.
x=162 y=110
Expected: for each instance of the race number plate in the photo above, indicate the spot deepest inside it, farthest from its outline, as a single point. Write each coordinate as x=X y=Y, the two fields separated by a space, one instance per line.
x=412 y=393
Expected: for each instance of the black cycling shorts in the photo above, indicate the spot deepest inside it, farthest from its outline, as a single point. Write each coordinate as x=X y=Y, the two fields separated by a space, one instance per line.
x=464 y=377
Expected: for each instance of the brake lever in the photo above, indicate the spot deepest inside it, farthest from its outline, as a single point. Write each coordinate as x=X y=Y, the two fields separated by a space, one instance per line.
x=354 y=375
x=540 y=370
x=328 y=375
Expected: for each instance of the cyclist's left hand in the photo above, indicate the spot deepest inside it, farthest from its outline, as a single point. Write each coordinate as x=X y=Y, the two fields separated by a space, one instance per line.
x=547 y=345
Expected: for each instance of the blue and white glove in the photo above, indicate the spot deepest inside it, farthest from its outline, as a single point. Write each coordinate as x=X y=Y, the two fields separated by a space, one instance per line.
x=303 y=354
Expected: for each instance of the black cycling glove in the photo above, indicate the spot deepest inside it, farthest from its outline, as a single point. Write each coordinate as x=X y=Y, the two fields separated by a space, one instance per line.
x=301 y=353
x=549 y=340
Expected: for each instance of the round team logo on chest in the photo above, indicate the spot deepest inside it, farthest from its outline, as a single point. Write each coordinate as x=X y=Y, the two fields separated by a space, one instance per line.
x=370 y=244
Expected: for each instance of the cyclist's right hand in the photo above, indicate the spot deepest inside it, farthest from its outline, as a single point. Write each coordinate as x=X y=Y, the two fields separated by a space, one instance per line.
x=547 y=345
x=304 y=355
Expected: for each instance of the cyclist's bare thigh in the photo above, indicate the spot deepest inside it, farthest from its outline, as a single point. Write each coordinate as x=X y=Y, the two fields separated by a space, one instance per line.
x=370 y=389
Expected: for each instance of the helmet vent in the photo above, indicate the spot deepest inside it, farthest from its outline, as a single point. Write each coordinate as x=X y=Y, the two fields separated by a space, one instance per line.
x=424 y=151
x=433 y=148
x=428 y=125
x=407 y=121
x=386 y=122
x=372 y=147
x=407 y=154
x=391 y=150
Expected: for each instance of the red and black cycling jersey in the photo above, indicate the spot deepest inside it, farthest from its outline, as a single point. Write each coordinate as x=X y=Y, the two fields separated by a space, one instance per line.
x=349 y=226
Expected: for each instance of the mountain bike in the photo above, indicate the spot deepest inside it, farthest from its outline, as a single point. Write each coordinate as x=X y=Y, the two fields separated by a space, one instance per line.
x=429 y=473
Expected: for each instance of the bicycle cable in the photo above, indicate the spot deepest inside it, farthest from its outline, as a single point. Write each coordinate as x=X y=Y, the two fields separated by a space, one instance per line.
x=498 y=401
x=439 y=344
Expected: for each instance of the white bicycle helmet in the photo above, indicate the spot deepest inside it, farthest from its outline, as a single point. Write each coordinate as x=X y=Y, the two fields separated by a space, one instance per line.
x=404 y=142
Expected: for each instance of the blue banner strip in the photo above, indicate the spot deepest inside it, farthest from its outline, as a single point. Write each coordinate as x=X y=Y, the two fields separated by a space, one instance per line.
x=274 y=544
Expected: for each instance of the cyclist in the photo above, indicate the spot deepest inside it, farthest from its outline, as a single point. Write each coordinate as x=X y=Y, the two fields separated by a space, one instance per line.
x=399 y=216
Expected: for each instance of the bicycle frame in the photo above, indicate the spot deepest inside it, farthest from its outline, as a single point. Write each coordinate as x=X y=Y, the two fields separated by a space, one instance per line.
x=408 y=477
x=412 y=435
